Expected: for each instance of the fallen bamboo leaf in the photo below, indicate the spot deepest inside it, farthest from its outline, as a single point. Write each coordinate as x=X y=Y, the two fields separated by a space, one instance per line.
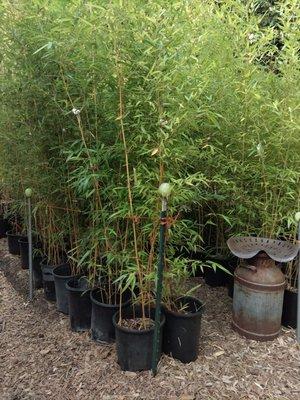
x=219 y=353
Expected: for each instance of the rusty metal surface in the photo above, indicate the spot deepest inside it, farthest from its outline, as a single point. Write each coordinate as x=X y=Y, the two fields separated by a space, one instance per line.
x=258 y=299
x=255 y=336
x=248 y=247
x=261 y=270
x=257 y=286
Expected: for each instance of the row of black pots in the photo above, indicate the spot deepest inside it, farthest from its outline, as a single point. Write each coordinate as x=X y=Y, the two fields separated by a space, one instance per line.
x=180 y=334
x=43 y=277
x=179 y=338
x=102 y=313
x=86 y=309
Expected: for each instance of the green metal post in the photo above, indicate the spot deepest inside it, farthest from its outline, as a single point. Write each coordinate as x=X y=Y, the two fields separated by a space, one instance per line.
x=28 y=193
x=159 y=286
x=29 y=233
x=298 y=299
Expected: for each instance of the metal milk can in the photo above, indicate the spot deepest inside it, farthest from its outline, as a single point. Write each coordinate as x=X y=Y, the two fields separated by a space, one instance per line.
x=259 y=286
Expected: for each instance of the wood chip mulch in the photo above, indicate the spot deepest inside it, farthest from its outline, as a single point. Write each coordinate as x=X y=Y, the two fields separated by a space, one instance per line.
x=40 y=358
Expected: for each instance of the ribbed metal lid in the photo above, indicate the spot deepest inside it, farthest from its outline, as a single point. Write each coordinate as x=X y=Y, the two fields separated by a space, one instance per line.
x=248 y=247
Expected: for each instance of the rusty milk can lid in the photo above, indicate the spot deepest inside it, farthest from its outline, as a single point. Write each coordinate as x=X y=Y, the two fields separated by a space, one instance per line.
x=249 y=246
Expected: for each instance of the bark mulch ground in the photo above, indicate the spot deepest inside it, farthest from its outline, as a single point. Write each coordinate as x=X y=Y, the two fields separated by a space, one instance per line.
x=40 y=358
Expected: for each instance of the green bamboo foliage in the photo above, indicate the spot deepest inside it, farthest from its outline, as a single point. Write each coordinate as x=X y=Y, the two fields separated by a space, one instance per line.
x=103 y=102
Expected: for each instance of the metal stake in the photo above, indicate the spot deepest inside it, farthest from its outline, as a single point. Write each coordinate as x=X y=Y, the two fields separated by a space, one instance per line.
x=29 y=234
x=159 y=284
x=298 y=294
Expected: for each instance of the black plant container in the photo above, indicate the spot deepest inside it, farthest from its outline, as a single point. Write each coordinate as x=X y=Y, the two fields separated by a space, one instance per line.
x=182 y=330
x=13 y=243
x=134 y=347
x=289 y=311
x=219 y=277
x=62 y=274
x=214 y=278
x=37 y=270
x=24 y=252
x=48 y=281
x=36 y=261
x=102 y=328
x=4 y=227
x=80 y=306
x=230 y=278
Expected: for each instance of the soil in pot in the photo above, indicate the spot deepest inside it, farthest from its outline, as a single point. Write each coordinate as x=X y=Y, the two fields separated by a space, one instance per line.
x=102 y=328
x=134 y=343
x=62 y=274
x=182 y=329
x=289 y=311
x=13 y=242
x=80 y=305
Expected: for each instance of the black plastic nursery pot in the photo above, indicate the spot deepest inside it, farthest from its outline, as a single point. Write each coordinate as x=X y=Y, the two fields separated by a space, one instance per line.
x=13 y=243
x=289 y=311
x=134 y=347
x=48 y=281
x=62 y=274
x=36 y=261
x=214 y=278
x=102 y=328
x=24 y=252
x=219 y=277
x=37 y=271
x=4 y=227
x=230 y=278
x=182 y=330
x=80 y=305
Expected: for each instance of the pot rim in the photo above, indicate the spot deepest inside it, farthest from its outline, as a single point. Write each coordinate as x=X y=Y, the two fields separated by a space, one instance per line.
x=136 y=331
x=45 y=260
x=187 y=315
x=62 y=276
x=19 y=235
x=107 y=305
x=23 y=240
x=76 y=289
